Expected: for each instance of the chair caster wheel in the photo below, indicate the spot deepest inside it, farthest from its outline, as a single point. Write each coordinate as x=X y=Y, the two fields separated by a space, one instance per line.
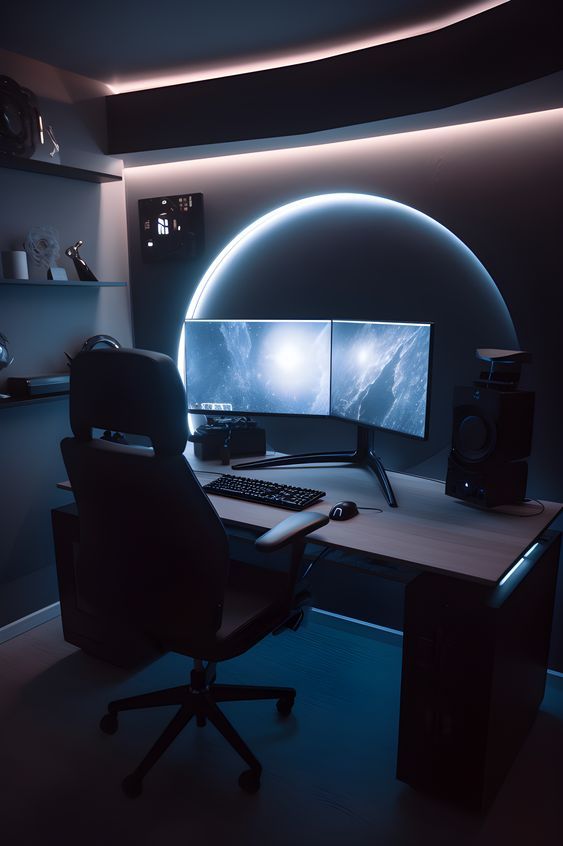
x=109 y=724
x=249 y=780
x=285 y=705
x=132 y=786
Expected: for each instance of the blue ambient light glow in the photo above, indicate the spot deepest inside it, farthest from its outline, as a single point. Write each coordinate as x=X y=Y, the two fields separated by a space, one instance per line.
x=357 y=622
x=512 y=571
x=518 y=563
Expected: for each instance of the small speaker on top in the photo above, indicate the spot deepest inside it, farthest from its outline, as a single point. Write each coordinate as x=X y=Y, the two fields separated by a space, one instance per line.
x=491 y=433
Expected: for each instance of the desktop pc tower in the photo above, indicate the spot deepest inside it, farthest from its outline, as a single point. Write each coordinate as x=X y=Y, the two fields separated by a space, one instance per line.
x=491 y=434
x=467 y=703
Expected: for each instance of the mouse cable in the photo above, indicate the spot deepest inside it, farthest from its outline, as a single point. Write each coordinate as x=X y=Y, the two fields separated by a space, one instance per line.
x=540 y=510
x=321 y=554
x=369 y=508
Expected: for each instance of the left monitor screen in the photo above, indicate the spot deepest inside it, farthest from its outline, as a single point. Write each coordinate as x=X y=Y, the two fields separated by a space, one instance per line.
x=258 y=366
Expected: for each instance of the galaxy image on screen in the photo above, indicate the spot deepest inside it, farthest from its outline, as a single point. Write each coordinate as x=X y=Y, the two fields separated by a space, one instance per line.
x=380 y=374
x=258 y=366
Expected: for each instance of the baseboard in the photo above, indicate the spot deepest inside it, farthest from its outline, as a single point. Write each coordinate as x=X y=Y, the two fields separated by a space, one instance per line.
x=353 y=624
x=43 y=615
x=24 y=624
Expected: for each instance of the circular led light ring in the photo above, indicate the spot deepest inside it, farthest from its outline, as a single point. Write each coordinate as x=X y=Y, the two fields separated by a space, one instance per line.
x=268 y=221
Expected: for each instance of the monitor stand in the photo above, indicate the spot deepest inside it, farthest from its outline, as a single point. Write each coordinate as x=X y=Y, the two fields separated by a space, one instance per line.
x=362 y=455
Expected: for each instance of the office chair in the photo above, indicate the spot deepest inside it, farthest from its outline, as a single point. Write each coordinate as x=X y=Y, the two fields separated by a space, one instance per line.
x=153 y=553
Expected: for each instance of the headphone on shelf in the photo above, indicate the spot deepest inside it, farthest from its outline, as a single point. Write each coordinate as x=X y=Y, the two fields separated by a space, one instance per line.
x=92 y=342
x=106 y=340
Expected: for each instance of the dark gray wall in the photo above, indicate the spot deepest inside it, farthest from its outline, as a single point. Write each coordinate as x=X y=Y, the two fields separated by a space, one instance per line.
x=496 y=184
x=43 y=323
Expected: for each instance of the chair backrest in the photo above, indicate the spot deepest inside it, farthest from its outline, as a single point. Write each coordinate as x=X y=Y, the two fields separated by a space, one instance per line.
x=153 y=551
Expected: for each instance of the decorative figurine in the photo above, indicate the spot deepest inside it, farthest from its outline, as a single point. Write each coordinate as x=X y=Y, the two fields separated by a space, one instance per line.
x=84 y=272
x=42 y=248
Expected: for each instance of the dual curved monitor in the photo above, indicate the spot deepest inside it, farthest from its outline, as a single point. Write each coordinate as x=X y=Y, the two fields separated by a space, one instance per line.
x=372 y=373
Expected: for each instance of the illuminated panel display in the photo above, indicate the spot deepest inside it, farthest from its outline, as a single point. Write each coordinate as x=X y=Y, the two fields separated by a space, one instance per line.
x=380 y=374
x=258 y=366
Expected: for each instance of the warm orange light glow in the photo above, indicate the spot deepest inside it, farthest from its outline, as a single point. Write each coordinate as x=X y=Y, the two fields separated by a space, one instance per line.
x=283 y=59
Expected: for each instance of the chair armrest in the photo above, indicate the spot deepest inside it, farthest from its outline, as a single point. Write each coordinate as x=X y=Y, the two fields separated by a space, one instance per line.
x=289 y=530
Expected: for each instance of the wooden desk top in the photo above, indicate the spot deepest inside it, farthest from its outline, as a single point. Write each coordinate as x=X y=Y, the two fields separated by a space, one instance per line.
x=428 y=529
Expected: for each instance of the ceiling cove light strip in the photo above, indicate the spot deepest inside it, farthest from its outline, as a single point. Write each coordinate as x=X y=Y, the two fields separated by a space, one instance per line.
x=279 y=60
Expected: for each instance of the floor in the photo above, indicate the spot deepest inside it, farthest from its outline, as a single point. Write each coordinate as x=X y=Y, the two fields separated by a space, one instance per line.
x=328 y=769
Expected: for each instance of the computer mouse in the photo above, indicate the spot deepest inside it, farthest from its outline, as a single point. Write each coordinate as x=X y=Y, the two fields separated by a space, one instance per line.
x=343 y=510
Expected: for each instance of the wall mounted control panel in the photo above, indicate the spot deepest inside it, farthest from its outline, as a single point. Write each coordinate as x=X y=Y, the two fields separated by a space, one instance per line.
x=171 y=227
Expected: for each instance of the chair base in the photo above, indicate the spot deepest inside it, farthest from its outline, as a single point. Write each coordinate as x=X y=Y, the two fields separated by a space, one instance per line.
x=198 y=699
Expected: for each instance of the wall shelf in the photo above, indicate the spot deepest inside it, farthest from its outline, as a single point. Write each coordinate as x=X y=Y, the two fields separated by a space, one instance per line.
x=13 y=401
x=53 y=169
x=66 y=283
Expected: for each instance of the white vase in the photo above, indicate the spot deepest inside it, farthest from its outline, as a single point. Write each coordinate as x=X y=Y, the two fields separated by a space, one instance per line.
x=14 y=264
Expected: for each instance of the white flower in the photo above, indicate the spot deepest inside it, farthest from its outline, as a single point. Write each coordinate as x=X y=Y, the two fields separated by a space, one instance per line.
x=42 y=245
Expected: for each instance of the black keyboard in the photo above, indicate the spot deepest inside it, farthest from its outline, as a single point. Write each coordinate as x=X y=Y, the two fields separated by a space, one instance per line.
x=259 y=490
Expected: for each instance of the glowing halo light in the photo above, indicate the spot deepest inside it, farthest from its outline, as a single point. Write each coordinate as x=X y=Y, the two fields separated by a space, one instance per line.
x=267 y=222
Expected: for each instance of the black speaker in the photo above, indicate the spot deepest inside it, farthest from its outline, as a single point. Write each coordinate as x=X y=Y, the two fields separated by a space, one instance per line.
x=491 y=437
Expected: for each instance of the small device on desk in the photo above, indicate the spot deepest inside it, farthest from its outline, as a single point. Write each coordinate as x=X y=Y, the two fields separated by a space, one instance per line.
x=344 y=510
x=223 y=437
x=268 y=493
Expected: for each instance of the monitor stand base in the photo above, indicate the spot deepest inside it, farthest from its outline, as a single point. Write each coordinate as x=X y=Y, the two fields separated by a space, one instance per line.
x=363 y=455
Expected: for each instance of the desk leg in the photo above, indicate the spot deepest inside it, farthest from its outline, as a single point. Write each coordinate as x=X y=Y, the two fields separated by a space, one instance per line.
x=91 y=634
x=474 y=669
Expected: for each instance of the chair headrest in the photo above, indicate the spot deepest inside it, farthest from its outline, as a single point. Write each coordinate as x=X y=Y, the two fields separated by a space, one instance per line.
x=132 y=391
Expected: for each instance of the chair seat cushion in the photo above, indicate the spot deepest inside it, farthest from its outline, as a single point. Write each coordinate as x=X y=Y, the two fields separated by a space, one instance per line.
x=255 y=602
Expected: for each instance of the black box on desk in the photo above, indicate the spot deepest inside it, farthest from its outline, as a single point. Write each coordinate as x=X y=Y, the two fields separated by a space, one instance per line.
x=216 y=441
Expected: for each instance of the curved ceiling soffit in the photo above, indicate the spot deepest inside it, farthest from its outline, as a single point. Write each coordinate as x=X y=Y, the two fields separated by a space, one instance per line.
x=490 y=52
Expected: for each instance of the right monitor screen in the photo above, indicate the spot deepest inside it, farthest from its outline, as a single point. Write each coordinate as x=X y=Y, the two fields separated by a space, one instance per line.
x=380 y=374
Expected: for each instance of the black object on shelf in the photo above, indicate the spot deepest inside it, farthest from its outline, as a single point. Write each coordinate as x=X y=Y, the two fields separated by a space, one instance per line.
x=82 y=269
x=28 y=387
x=18 y=119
